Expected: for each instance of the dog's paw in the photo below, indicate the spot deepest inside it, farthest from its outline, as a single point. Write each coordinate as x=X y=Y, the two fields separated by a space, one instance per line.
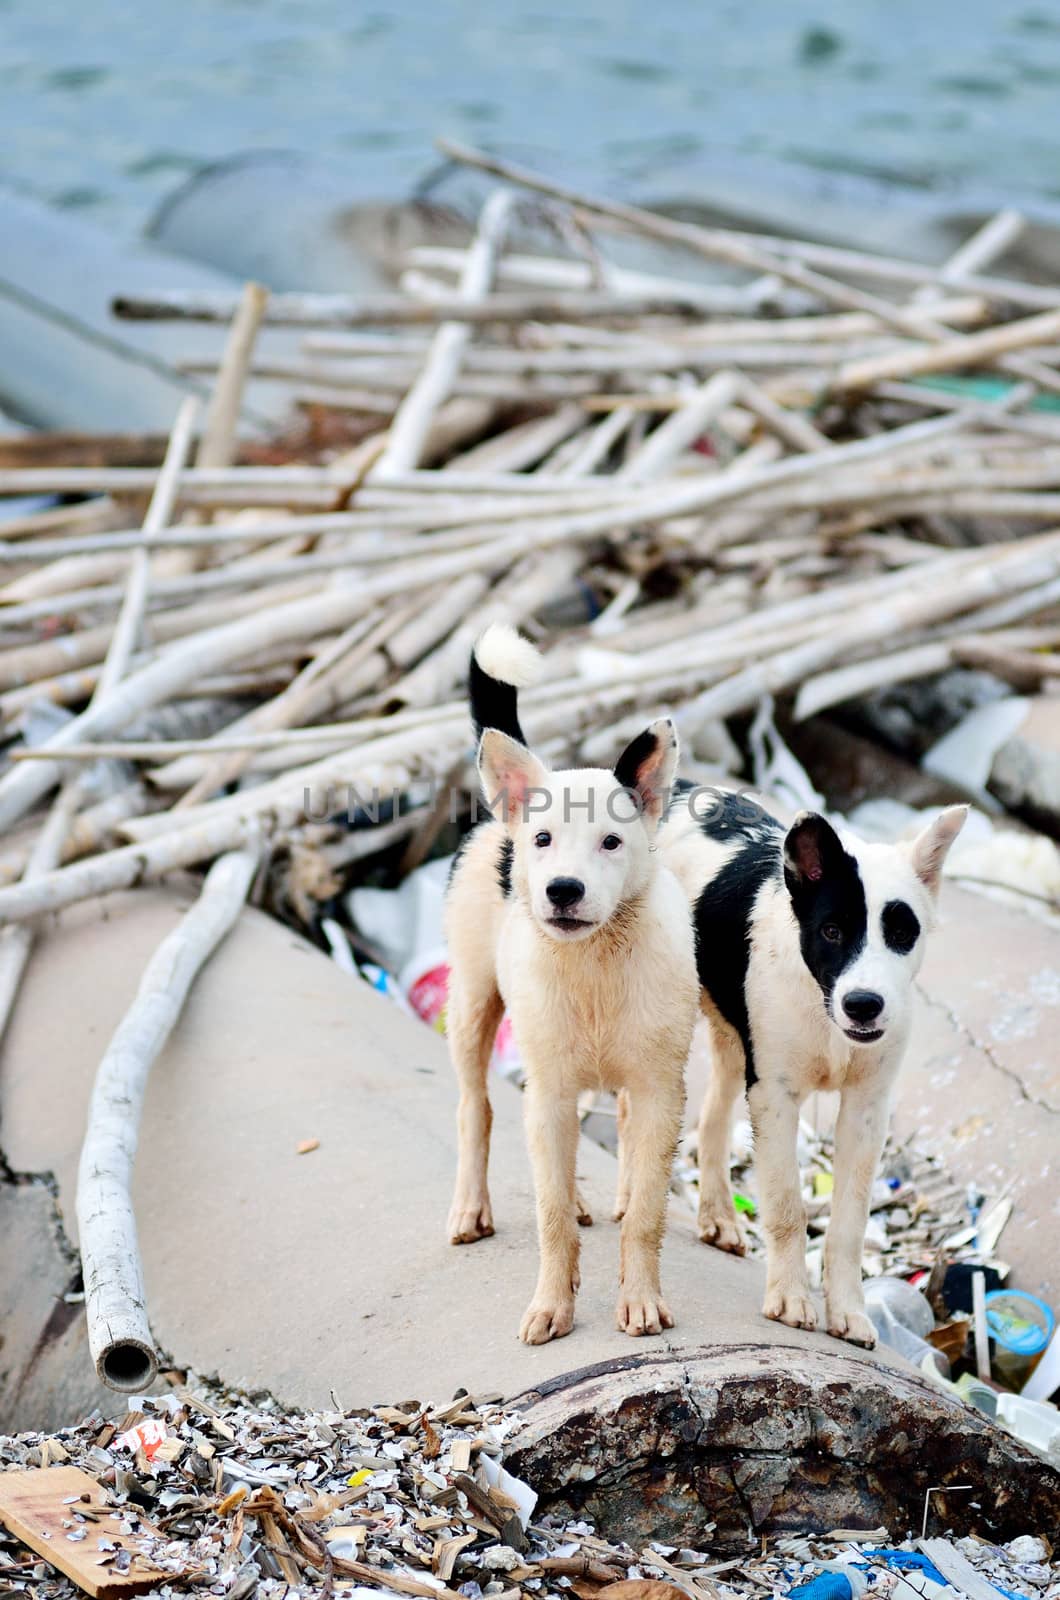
x=638 y=1314
x=582 y=1212
x=852 y=1325
x=792 y=1305
x=722 y=1230
x=469 y=1220
x=544 y=1322
x=621 y=1207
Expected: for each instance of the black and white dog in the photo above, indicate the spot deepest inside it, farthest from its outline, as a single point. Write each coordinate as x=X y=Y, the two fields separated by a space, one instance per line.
x=808 y=945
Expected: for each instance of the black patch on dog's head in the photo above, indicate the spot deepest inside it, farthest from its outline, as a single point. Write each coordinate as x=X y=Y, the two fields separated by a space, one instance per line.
x=901 y=927
x=505 y=857
x=722 y=917
x=827 y=896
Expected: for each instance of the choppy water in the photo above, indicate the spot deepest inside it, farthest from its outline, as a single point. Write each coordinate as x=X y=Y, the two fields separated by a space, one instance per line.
x=105 y=106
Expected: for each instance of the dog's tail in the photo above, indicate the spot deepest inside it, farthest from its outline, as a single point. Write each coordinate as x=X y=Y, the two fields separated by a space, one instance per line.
x=502 y=663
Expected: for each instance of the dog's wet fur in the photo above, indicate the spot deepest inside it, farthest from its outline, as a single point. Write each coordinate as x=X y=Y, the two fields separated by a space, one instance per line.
x=808 y=945
x=560 y=910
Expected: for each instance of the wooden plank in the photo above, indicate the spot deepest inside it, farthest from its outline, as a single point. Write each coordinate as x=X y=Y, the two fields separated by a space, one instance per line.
x=38 y=1507
x=957 y=1569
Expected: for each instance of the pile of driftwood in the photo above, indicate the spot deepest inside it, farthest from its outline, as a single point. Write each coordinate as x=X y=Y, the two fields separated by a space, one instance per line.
x=823 y=472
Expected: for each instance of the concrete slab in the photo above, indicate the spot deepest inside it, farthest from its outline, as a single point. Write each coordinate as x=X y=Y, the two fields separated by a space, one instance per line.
x=328 y=1271
x=981 y=1086
x=46 y=1377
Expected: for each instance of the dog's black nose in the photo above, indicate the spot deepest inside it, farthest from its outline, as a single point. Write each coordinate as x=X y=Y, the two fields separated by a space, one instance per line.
x=564 y=892
x=861 y=1005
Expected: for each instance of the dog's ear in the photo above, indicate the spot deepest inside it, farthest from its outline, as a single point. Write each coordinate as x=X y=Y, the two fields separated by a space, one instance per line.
x=648 y=766
x=931 y=847
x=509 y=774
x=812 y=848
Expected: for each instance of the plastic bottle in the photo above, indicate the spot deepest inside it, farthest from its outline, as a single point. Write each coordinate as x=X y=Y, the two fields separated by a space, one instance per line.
x=897 y=1337
x=906 y=1304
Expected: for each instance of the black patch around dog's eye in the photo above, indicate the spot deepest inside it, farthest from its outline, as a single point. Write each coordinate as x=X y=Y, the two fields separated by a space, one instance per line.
x=723 y=915
x=504 y=865
x=901 y=927
x=832 y=916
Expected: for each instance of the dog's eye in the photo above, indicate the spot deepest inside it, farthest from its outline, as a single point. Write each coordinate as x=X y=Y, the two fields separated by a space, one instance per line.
x=610 y=841
x=542 y=840
x=832 y=933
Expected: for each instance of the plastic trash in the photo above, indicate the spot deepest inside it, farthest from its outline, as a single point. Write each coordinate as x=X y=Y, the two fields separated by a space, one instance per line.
x=909 y=1561
x=1035 y=1422
x=965 y=755
x=896 y=1336
x=1021 y=1327
x=907 y=1305
x=405 y=925
x=847 y=1581
x=834 y=1582
x=974 y=1392
x=1044 y=1381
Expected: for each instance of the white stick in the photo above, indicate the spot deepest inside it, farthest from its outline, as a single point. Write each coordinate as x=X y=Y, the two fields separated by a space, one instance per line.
x=118 y=1333
x=130 y=618
x=413 y=420
x=982 y=1333
x=222 y=416
x=17 y=942
x=681 y=428
x=192 y=659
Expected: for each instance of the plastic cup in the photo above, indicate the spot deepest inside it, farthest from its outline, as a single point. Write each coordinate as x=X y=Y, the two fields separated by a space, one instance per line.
x=1020 y=1326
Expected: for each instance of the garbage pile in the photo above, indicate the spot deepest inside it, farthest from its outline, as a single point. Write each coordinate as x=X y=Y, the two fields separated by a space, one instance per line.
x=235 y=1499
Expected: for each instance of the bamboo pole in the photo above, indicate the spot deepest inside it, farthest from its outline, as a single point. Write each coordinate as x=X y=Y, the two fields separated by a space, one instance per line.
x=401 y=311
x=44 y=856
x=192 y=658
x=948 y=355
x=119 y=1335
x=412 y=422
x=716 y=244
x=46 y=853
x=131 y=616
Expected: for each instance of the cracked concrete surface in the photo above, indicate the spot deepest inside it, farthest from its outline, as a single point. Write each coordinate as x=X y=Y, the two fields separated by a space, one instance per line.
x=305 y=1273
x=981 y=1085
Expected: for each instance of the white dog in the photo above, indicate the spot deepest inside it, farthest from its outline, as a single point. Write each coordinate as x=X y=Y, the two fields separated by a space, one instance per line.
x=809 y=943
x=560 y=910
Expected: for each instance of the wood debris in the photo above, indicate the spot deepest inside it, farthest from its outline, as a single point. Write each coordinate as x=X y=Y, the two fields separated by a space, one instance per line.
x=270 y=1513
x=838 y=489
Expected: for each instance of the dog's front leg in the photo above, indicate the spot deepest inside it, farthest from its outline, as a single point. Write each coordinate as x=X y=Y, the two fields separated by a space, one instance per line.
x=552 y=1134
x=860 y=1134
x=775 y=1119
x=652 y=1126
